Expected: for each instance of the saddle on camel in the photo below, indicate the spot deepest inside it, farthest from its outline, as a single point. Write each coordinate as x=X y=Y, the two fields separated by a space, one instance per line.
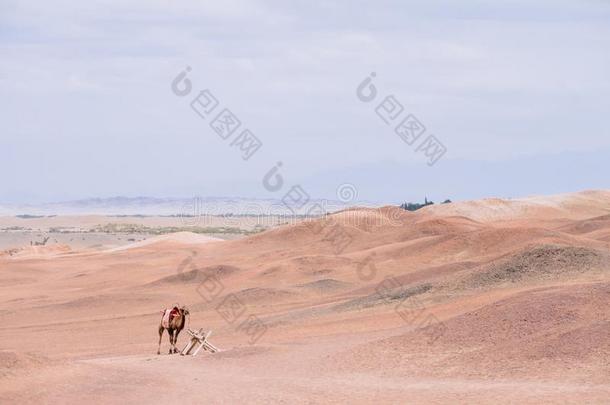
x=174 y=321
x=168 y=315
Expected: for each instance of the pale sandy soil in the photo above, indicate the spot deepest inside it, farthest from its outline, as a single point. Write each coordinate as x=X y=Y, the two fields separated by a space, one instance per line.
x=517 y=299
x=78 y=232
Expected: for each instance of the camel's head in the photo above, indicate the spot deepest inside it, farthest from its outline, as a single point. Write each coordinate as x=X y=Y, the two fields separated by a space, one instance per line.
x=185 y=311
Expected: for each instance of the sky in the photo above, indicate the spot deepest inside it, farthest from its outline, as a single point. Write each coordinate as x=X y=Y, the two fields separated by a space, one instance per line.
x=516 y=92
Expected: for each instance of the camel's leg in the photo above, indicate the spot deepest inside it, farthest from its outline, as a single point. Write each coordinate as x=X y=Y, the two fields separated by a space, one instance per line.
x=171 y=341
x=176 y=340
x=161 y=328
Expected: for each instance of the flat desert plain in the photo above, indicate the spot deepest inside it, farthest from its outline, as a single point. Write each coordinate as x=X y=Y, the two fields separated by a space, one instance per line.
x=488 y=301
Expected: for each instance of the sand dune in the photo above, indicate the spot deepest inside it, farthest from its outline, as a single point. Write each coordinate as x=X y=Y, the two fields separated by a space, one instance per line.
x=32 y=251
x=528 y=333
x=184 y=238
x=491 y=300
x=581 y=205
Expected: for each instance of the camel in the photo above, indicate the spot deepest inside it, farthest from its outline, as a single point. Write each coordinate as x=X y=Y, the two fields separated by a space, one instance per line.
x=177 y=320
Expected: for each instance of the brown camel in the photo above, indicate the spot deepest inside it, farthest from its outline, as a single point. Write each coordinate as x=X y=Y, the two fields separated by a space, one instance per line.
x=177 y=320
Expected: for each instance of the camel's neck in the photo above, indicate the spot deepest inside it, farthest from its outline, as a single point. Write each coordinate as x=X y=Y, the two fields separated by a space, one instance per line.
x=181 y=321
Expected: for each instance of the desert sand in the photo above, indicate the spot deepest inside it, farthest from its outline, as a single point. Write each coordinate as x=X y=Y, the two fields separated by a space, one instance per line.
x=490 y=301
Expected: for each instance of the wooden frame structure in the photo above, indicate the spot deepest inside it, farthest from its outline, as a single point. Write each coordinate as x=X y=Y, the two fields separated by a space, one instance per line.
x=199 y=340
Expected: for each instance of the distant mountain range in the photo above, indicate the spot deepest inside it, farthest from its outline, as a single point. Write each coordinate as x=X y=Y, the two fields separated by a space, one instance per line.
x=172 y=206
